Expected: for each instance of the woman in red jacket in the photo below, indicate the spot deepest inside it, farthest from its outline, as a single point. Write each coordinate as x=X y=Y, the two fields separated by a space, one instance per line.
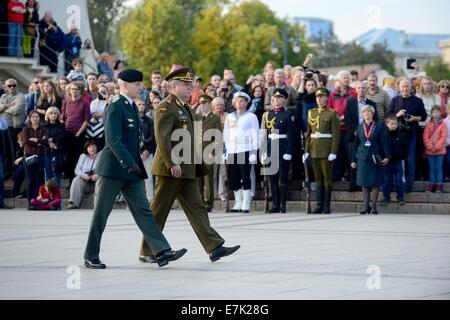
x=434 y=139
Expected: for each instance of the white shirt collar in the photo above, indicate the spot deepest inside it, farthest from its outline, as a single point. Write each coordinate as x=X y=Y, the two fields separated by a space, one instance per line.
x=128 y=99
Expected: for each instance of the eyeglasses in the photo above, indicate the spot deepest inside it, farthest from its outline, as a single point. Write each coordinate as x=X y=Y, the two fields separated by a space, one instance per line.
x=11 y=85
x=445 y=87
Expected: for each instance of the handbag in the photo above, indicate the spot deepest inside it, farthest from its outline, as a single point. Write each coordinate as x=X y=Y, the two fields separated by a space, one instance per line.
x=377 y=159
x=31 y=160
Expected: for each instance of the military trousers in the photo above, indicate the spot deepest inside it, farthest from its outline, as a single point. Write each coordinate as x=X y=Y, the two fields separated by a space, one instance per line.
x=206 y=185
x=186 y=191
x=323 y=172
x=134 y=192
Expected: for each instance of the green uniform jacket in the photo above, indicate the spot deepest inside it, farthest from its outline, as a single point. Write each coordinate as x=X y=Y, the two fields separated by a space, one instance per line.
x=211 y=122
x=328 y=124
x=122 y=137
x=171 y=115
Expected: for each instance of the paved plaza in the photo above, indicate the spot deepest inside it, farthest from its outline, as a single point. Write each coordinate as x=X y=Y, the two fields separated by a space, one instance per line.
x=283 y=257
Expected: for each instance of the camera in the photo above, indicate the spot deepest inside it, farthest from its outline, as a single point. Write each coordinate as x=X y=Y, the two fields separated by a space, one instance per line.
x=309 y=73
x=31 y=160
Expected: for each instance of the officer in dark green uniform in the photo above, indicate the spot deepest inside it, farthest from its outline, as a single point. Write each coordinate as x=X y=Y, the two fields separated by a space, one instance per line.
x=322 y=143
x=279 y=124
x=120 y=169
x=176 y=167
x=211 y=140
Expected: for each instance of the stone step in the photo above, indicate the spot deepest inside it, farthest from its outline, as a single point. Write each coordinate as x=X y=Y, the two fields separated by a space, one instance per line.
x=349 y=207
x=86 y=204
x=345 y=196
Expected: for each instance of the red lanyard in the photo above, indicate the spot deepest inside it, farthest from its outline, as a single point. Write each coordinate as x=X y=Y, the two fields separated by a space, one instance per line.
x=370 y=131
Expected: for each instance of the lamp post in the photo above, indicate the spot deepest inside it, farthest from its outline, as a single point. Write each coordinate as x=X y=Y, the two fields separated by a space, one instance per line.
x=296 y=47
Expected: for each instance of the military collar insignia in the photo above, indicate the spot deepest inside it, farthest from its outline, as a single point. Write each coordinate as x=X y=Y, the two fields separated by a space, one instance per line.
x=130 y=120
x=126 y=101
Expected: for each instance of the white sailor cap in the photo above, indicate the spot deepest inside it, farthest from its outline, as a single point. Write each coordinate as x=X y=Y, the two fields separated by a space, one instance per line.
x=240 y=94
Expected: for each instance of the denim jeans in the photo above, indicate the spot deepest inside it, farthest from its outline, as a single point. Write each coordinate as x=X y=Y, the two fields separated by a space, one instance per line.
x=410 y=163
x=436 y=175
x=393 y=170
x=52 y=165
x=15 y=39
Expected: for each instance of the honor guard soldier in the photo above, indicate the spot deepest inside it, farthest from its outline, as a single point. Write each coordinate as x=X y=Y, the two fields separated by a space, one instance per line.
x=322 y=144
x=213 y=129
x=280 y=127
x=177 y=178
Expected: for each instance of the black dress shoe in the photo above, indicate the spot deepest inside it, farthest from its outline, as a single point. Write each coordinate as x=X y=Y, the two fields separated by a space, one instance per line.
x=221 y=252
x=147 y=259
x=274 y=210
x=169 y=255
x=366 y=211
x=94 y=264
x=245 y=211
x=235 y=211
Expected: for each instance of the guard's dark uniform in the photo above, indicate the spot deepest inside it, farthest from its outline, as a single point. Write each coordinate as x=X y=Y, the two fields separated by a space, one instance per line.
x=122 y=133
x=280 y=130
x=322 y=140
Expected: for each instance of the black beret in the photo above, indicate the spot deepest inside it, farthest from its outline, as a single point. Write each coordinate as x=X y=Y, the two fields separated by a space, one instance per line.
x=280 y=93
x=131 y=75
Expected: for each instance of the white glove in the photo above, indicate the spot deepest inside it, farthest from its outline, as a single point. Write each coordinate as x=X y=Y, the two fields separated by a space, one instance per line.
x=263 y=158
x=287 y=157
x=252 y=158
x=305 y=157
x=332 y=157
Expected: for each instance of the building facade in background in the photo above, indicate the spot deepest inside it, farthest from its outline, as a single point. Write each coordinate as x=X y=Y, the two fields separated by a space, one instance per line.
x=315 y=28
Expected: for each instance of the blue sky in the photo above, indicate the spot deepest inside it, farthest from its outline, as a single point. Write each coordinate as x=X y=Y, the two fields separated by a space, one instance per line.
x=353 y=18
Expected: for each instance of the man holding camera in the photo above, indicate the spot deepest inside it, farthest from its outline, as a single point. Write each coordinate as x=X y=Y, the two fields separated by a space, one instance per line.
x=279 y=84
x=410 y=110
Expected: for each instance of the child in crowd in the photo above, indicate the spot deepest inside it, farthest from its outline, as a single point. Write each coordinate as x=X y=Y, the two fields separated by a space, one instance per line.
x=398 y=144
x=76 y=74
x=447 y=156
x=49 y=197
x=434 y=139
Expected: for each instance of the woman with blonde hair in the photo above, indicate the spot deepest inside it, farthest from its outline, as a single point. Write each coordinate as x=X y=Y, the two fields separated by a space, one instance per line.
x=443 y=89
x=49 y=98
x=54 y=153
x=429 y=98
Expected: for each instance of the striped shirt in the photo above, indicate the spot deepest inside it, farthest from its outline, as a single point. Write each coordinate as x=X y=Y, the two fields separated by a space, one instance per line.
x=382 y=100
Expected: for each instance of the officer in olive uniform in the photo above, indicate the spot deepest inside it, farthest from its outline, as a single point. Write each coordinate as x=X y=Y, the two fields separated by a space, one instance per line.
x=322 y=143
x=211 y=126
x=280 y=128
x=176 y=172
x=120 y=169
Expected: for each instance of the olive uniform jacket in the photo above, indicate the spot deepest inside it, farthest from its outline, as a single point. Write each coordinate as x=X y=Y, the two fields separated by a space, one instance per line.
x=324 y=122
x=122 y=137
x=171 y=115
x=211 y=122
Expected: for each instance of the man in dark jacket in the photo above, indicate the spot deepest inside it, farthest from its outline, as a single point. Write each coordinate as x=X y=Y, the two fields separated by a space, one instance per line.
x=353 y=118
x=51 y=42
x=410 y=111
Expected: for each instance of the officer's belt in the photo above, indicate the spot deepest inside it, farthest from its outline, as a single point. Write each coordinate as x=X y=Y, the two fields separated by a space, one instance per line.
x=275 y=136
x=319 y=135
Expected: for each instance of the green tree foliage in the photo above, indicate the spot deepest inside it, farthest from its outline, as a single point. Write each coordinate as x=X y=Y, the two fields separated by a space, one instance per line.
x=335 y=53
x=156 y=35
x=438 y=70
x=209 y=35
x=102 y=15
